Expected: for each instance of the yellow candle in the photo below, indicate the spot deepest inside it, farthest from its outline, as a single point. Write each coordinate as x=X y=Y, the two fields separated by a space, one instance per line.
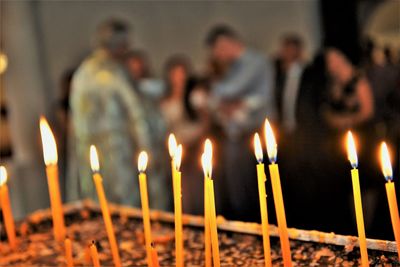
x=263 y=200
x=207 y=166
x=207 y=156
x=94 y=255
x=391 y=193
x=98 y=181
x=50 y=159
x=277 y=193
x=142 y=164
x=68 y=252
x=178 y=207
x=6 y=207
x=352 y=156
x=154 y=256
x=207 y=233
x=172 y=146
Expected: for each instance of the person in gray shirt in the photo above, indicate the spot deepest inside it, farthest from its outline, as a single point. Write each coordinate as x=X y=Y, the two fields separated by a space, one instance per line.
x=241 y=99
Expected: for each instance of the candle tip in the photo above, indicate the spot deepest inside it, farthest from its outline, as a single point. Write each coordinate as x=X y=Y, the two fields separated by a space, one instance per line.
x=142 y=161
x=351 y=150
x=272 y=149
x=94 y=159
x=386 y=163
x=3 y=175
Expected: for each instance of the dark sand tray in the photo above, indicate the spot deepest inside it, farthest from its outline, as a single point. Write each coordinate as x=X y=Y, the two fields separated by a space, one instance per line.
x=240 y=242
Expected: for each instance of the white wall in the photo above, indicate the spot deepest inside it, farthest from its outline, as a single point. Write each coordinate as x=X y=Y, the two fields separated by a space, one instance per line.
x=166 y=27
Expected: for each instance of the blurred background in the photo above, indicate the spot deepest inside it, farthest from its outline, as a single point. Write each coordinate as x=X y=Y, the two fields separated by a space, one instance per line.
x=124 y=74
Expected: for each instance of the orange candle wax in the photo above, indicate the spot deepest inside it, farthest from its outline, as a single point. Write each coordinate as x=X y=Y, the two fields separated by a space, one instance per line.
x=95 y=255
x=98 y=181
x=277 y=193
x=263 y=200
x=50 y=159
x=391 y=193
x=142 y=164
x=68 y=252
x=154 y=256
x=352 y=156
x=6 y=208
x=178 y=208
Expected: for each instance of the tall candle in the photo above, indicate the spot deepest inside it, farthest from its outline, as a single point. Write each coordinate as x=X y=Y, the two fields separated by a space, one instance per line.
x=207 y=233
x=142 y=164
x=391 y=193
x=50 y=159
x=6 y=208
x=95 y=255
x=352 y=156
x=98 y=181
x=178 y=207
x=263 y=200
x=68 y=252
x=277 y=193
x=207 y=166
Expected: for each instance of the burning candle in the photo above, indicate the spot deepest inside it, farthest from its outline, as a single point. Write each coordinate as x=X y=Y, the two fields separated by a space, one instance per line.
x=94 y=255
x=391 y=193
x=142 y=164
x=68 y=252
x=6 y=207
x=178 y=207
x=50 y=159
x=263 y=199
x=207 y=167
x=98 y=181
x=277 y=192
x=172 y=145
x=154 y=256
x=352 y=156
x=207 y=233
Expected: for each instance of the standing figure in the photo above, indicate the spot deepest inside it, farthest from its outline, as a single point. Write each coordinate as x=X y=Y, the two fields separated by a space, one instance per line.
x=107 y=113
x=241 y=98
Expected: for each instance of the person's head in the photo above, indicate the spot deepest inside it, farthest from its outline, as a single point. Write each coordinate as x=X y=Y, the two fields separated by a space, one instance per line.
x=113 y=36
x=224 y=43
x=138 y=64
x=291 y=48
x=177 y=71
x=337 y=64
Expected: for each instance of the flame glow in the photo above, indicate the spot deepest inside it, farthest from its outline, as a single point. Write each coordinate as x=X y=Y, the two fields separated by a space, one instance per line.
x=385 y=162
x=142 y=161
x=178 y=157
x=351 y=150
x=206 y=159
x=258 y=148
x=272 y=149
x=172 y=145
x=3 y=175
x=48 y=142
x=94 y=159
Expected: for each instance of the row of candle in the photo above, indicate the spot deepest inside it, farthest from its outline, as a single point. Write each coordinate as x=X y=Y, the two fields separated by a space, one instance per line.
x=210 y=224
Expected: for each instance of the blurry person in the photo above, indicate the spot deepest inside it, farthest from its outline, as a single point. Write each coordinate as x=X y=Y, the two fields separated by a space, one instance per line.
x=107 y=113
x=289 y=67
x=138 y=65
x=241 y=99
x=349 y=98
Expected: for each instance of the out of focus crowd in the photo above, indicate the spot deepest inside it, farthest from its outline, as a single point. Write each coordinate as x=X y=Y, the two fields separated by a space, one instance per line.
x=114 y=101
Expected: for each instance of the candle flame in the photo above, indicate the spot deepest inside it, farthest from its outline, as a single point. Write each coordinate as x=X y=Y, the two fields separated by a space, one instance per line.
x=351 y=150
x=48 y=142
x=258 y=148
x=172 y=145
x=270 y=142
x=94 y=159
x=178 y=157
x=142 y=161
x=206 y=159
x=3 y=175
x=385 y=162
